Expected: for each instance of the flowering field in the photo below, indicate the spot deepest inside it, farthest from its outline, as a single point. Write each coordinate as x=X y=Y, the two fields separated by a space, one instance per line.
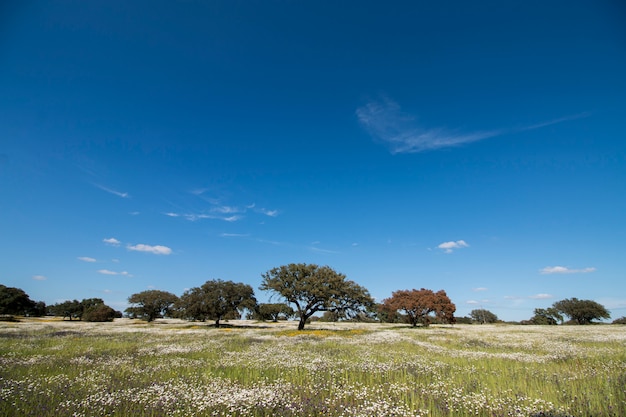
x=175 y=368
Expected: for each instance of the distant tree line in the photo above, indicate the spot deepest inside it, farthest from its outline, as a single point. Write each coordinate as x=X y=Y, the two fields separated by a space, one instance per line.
x=303 y=291
x=15 y=302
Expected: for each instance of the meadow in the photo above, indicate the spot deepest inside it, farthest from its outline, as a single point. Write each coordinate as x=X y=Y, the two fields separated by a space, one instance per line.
x=174 y=368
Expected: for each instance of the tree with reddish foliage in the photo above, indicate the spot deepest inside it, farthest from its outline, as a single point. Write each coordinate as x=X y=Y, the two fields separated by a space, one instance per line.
x=418 y=305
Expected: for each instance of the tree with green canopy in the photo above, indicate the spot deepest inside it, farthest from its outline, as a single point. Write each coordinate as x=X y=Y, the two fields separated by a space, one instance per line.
x=14 y=301
x=274 y=311
x=216 y=300
x=312 y=288
x=483 y=316
x=151 y=304
x=581 y=311
x=548 y=315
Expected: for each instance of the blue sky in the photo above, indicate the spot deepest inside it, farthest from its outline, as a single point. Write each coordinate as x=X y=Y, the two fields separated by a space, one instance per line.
x=478 y=148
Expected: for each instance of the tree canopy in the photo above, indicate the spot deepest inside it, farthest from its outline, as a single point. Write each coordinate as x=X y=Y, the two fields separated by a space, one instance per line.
x=548 y=315
x=483 y=316
x=581 y=311
x=16 y=301
x=274 y=311
x=419 y=304
x=216 y=300
x=312 y=288
x=151 y=304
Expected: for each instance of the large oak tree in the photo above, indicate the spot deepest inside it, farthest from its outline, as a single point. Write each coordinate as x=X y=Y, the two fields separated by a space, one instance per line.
x=581 y=311
x=216 y=300
x=151 y=304
x=418 y=305
x=312 y=288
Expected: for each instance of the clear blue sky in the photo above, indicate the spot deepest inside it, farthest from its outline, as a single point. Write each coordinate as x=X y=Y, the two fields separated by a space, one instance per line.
x=475 y=147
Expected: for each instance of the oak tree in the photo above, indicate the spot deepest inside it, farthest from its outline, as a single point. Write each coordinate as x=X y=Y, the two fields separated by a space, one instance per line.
x=151 y=304
x=418 y=305
x=312 y=288
x=581 y=311
x=216 y=300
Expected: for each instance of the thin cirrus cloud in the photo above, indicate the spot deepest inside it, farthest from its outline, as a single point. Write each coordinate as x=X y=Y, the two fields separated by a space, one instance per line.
x=112 y=191
x=541 y=296
x=564 y=270
x=109 y=272
x=386 y=122
x=449 y=247
x=39 y=277
x=112 y=241
x=225 y=213
x=156 y=250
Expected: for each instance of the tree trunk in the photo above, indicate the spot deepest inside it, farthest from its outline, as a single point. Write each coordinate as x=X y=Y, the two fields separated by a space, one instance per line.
x=302 y=322
x=217 y=323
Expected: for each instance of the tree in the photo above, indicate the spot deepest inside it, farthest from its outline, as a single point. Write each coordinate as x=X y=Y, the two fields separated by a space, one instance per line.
x=89 y=309
x=483 y=316
x=100 y=313
x=274 y=311
x=15 y=301
x=312 y=288
x=216 y=300
x=151 y=304
x=581 y=311
x=70 y=309
x=547 y=316
x=418 y=305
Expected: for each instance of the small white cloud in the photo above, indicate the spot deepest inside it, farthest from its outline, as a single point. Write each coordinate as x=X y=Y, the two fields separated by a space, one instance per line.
x=86 y=259
x=564 y=270
x=170 y=214
x=112 y=241
x=541 y=296
x=234 y=235
x=225 y=209
x=108 y=272
x=232 y=218
x=479 y=289
x=270 y=213
x=39 y=278
x=473 y=302
x=448 y=247
x=157 y=249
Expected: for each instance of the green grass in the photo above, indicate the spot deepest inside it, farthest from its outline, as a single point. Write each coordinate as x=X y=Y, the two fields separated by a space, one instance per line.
x=130 y=368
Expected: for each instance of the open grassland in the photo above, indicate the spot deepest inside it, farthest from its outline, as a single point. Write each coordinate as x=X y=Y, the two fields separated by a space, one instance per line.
x=175 y=368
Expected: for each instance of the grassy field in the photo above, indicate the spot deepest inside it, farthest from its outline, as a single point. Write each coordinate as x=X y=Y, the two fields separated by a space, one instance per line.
x=175 y=368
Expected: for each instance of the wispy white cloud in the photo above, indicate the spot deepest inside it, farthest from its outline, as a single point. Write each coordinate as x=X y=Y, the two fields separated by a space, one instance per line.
x=448 y=247
x=86 y=259
x=564 y=270
x=320 y=250
x=112 y=241
x=541 y=296
x=112 y=191
x=157 y=249
x=39 y=277
x=234 y=235
x=472 y=302
x=479 y=289
x=109 y=272
x=270 y=213
x=386 y=121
